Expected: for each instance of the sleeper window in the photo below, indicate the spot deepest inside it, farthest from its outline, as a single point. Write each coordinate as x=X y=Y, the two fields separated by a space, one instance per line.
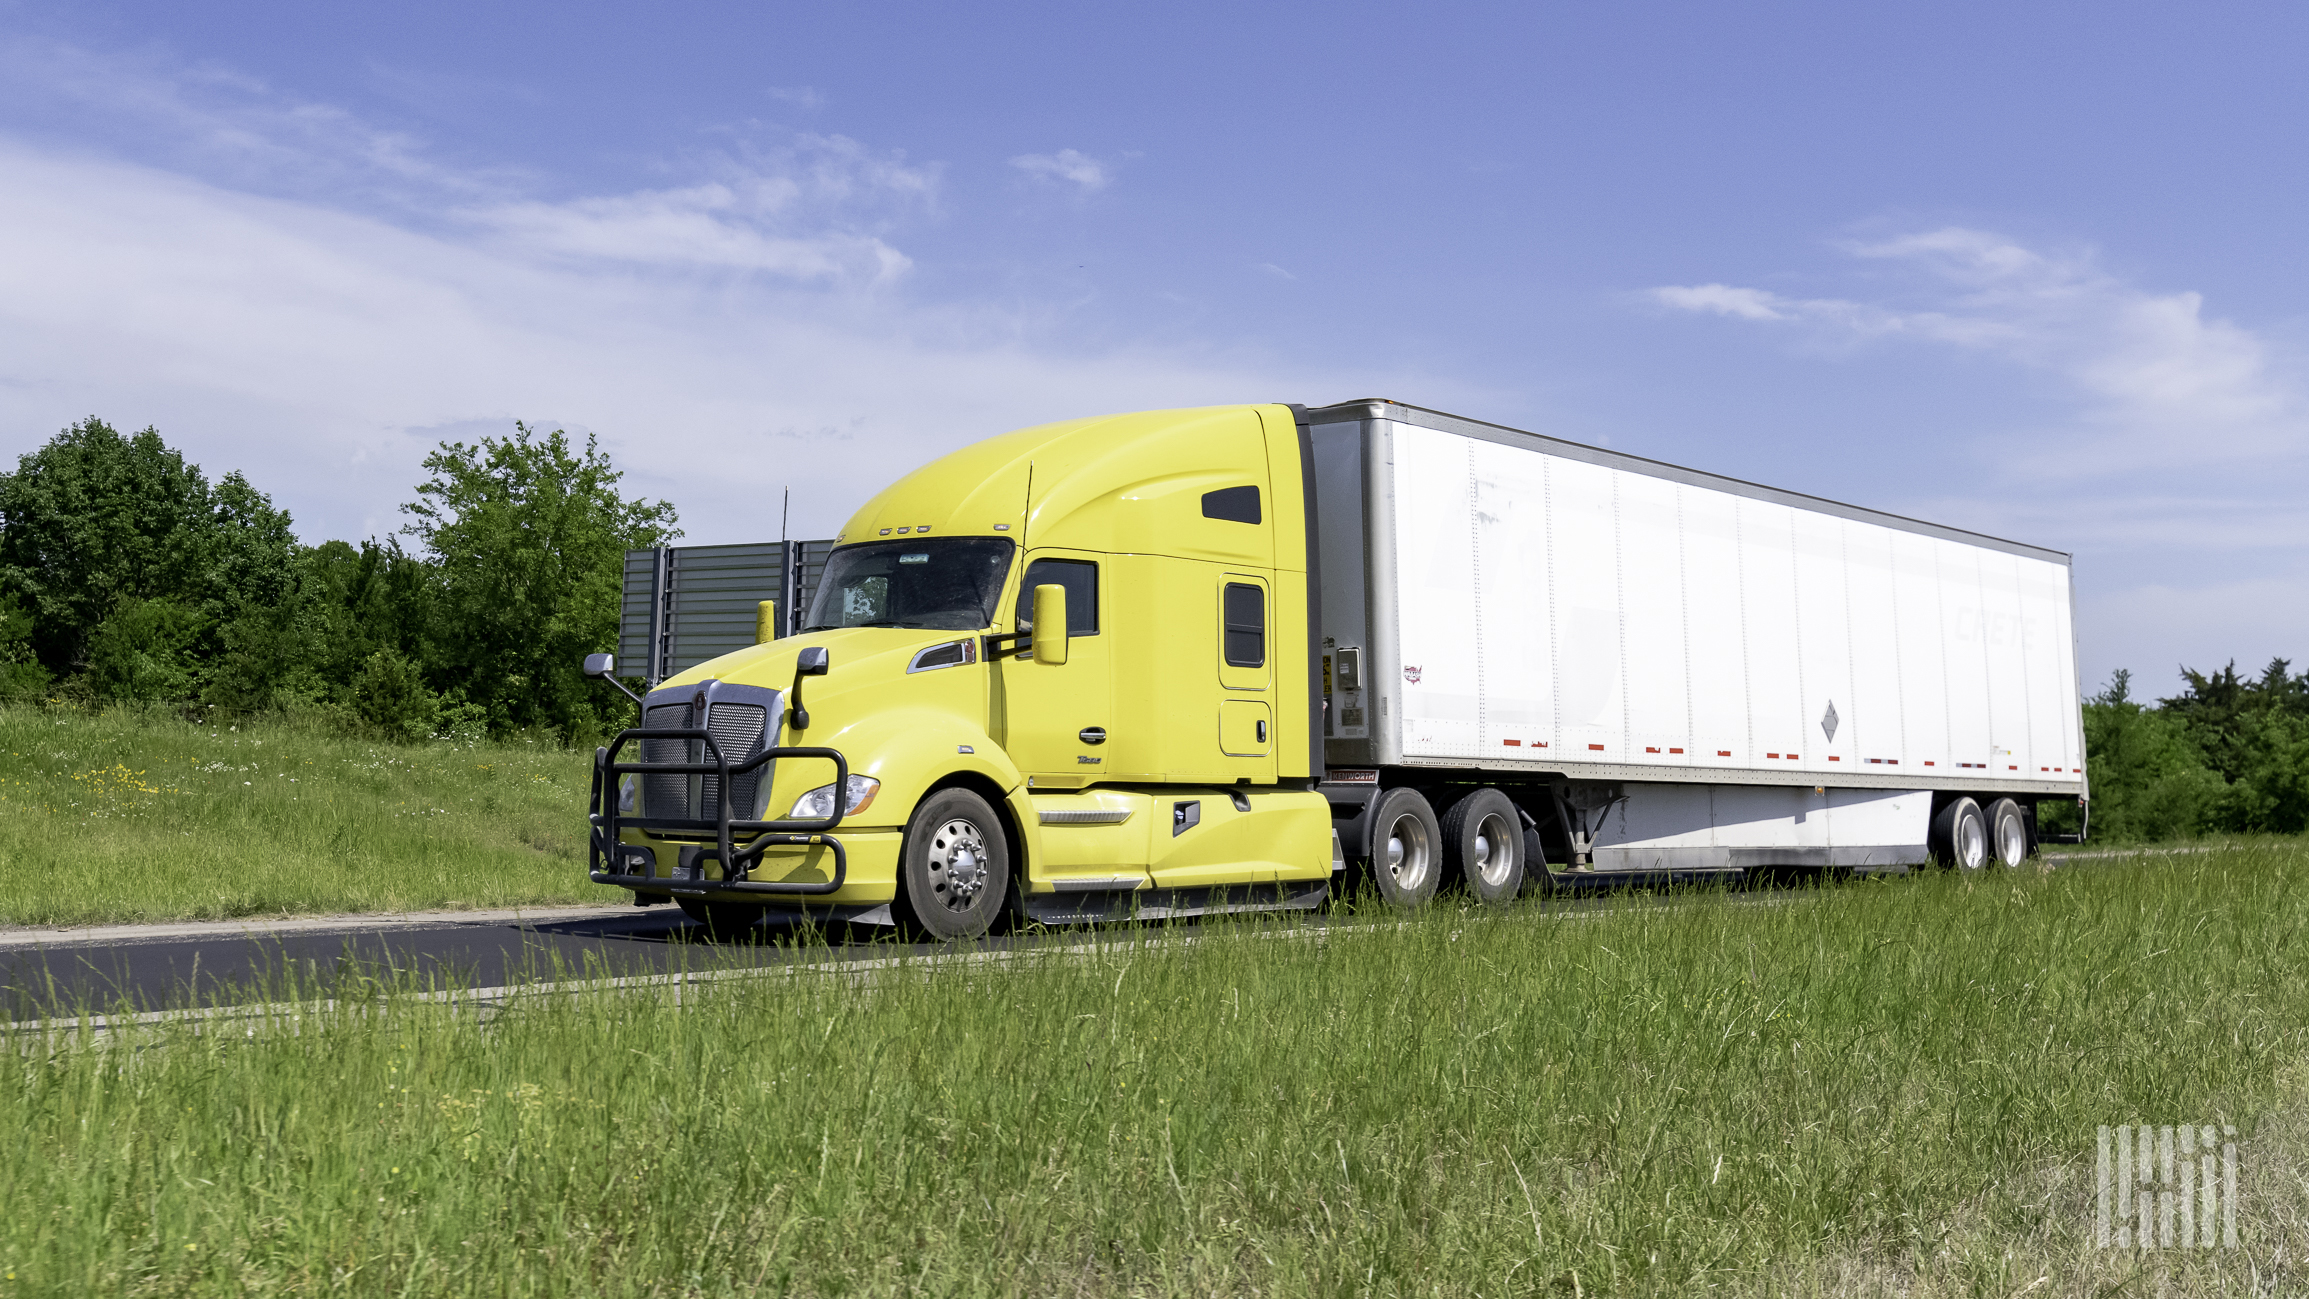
x=1246 y=629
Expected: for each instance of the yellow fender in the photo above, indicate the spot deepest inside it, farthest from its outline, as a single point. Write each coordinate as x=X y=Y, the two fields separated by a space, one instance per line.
x=911 y=751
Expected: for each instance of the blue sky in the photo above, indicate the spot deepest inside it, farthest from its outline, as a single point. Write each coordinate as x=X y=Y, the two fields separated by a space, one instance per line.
x=2032 y=270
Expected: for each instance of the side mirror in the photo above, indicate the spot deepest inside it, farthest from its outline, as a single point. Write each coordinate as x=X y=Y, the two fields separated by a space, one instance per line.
x=1050 y=624
x=604 y=667
x=811 y=662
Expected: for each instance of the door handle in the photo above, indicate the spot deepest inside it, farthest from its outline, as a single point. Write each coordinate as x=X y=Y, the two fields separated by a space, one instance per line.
x=1262 y=732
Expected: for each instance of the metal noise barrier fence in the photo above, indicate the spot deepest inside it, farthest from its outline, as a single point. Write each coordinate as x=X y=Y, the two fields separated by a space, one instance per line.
x=686 y=604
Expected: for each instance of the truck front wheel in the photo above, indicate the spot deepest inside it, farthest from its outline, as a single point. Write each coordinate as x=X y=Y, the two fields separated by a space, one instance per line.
x=954 y=875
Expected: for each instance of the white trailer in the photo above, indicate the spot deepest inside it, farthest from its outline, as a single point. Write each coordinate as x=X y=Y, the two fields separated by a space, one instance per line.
x=1672 y=671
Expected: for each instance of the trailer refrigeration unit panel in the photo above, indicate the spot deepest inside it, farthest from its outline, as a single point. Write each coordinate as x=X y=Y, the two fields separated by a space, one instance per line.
x=1712 y=674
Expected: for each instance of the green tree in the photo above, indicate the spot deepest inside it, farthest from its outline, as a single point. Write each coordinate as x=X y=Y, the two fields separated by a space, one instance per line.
x=2223 y=711
x=93 y=523
x=147 y=651
x=357 y=601
x=528 y=538
x=2270 y=794
x=2149 y=780
x=20 y=670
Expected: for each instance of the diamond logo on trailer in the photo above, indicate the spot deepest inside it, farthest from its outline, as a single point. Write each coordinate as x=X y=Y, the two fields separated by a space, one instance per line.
x=1828 y=722
x=1411 y=673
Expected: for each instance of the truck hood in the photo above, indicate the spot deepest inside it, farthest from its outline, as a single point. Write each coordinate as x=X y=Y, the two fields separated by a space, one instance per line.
x=859 y=657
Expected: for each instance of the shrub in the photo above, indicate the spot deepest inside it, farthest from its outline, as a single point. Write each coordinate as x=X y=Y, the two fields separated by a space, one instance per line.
x=391 y=696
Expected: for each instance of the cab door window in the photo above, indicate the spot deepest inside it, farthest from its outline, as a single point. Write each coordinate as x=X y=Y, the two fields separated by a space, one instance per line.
x=1079 y=577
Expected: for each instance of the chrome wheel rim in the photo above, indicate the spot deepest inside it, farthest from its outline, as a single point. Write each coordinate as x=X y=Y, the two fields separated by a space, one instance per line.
x=1409 y=853
x=1494 y=850
x=957 y=864
x=1971 y=843
x=2011 y=841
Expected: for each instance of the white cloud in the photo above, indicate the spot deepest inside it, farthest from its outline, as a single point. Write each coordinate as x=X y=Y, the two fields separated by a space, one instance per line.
x=1722 y=300
x=1066 y=166
x=2158 y=381
x=687 y=227
x=225 y=124
x=286 y=290
x=809 y=212
x=323 y=352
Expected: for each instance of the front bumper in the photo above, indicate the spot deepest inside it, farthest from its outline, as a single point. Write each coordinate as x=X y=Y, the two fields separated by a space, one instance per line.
x=607 y=857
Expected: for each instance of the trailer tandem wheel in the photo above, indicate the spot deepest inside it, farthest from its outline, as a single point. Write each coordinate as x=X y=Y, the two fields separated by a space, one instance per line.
x=1406 y=848
x=2007 y=833
x=1960 y=835
x=1483 y=841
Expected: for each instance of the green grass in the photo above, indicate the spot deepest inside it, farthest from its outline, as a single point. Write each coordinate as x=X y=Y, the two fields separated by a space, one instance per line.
x=124 y=815
x=1881 y=1087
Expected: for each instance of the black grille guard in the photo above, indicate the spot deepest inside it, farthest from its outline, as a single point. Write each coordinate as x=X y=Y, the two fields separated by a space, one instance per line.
x=736 y=861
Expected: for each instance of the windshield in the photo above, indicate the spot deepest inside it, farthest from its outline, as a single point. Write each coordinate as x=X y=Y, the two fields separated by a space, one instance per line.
x=950 y=584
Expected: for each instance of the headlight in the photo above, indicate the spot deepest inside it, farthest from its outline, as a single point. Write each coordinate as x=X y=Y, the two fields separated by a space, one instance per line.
x=818 y=804
x=626 y=791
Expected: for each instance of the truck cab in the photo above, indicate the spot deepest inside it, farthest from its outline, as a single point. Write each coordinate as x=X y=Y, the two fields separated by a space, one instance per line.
x=1064 y=674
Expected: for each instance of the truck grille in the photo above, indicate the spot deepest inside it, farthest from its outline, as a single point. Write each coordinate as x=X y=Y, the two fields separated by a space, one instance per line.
x=737 y=728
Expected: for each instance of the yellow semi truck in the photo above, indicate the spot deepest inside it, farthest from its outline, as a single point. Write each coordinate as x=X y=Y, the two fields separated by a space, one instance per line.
x=1171 y=662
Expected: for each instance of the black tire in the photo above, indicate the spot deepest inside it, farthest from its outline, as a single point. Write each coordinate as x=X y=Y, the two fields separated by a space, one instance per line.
x=1960 y=835
x=1483 y=845
x=954 y=868
x=1406 y=848
x=723 y=921
x=2008 y=844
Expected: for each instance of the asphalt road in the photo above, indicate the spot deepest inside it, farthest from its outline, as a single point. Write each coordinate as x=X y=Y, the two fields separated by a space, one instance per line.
x=165 y=967
x=159 y=967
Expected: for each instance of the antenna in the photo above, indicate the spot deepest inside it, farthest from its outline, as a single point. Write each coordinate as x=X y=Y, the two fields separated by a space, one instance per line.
x=783 y=508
